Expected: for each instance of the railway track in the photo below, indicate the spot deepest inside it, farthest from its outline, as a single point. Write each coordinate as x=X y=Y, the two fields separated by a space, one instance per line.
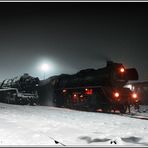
x=132 y=115
x=136 y=116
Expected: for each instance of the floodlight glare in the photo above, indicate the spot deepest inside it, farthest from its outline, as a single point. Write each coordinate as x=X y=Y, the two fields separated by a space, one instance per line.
x=45 y=67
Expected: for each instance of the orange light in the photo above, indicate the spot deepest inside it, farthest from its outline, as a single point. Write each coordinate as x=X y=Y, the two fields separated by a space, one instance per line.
x=64 y=90
x=134 y=95
x=122 y=70
x=86 y=89
x=116 y=94
x=75 y=95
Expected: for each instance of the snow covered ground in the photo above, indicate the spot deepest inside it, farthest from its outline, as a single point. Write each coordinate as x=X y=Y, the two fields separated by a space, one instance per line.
x=50 y=126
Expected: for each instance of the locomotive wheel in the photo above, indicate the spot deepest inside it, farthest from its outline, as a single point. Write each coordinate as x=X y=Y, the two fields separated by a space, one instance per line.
x=7 y=99
x=17 y=101
x=105 y=109
x=92 y=109
x=10 y=99
x=123 y=109
x=31 y=103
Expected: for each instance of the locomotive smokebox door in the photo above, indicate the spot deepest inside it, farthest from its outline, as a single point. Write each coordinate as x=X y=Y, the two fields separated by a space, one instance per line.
x=132 y=74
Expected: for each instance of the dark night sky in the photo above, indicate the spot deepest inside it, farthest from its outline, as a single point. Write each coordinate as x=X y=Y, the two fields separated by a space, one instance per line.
x=72 y=36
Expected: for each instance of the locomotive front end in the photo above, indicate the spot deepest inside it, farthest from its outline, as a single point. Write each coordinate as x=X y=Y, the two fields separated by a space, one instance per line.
x=124 y=98
x=120 y=75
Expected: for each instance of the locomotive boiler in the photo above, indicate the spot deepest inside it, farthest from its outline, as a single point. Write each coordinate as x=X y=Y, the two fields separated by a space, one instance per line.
x=92 y=89
x=20 y=90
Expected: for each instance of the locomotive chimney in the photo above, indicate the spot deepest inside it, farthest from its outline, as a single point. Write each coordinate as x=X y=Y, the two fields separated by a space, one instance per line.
x=109 y=63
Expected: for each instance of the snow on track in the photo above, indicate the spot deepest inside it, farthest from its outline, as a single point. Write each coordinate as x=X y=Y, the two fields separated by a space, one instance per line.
x=48 y=126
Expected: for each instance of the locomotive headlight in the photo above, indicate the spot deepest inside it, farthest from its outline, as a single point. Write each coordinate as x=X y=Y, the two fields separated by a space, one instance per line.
x=122 y=70
x=116 y=94
x=134 y=96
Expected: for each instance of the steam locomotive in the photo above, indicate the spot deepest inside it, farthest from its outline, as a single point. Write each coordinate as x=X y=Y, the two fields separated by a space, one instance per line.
x=91 y=89
x=20 y=90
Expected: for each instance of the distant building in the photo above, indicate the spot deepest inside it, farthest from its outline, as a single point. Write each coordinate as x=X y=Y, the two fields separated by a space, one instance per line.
x=141 y=88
